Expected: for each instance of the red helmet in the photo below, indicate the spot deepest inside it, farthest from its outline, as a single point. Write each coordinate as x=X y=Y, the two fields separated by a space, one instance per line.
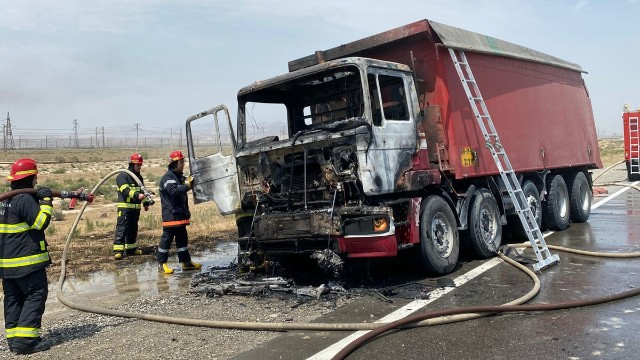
x=175 y=156
x=136 y=159
x=22 y=168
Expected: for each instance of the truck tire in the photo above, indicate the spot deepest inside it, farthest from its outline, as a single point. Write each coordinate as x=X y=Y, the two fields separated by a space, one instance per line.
x=555 y=210
x=532 y=195
x=580 y=197
x=439 y=238
x=485 y=229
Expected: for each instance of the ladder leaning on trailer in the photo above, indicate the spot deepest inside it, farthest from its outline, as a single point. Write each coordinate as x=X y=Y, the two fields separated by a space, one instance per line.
x=634 y=147
x=492 y=142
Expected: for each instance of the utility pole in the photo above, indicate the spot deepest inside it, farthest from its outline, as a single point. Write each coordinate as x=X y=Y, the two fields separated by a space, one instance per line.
x=96 y=137
x=180 y=141
x=103 y=143
x=171 y=139
x=75 y=133
x=137 y=125
x=8 y=135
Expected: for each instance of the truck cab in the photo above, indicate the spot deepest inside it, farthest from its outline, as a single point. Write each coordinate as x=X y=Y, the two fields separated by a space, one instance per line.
x=334 y=139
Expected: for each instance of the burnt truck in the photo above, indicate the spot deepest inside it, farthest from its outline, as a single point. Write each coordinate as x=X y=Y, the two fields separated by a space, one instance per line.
x=380 y=154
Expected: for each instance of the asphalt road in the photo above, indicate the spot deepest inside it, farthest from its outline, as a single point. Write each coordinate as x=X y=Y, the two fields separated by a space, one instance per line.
x=608 y=331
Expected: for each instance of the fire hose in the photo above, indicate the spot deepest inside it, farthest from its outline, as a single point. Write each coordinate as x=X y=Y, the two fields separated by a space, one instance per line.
x=423 y=319
x=62 y=194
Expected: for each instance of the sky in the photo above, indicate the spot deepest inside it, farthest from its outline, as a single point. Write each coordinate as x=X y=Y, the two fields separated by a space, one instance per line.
x=117 y=63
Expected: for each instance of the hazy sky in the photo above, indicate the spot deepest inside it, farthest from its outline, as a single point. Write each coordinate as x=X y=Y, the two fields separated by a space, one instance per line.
x=155 y=62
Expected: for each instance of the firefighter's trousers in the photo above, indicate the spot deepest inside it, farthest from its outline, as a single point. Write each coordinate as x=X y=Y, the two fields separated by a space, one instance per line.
x=126 y=231
x=24 y=300
x=182 y=240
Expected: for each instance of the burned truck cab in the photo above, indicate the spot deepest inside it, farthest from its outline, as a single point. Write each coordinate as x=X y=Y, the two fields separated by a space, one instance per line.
x=317 y=149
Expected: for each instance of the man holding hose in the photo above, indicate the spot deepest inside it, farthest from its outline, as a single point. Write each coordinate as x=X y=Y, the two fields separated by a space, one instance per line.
x=24 y=259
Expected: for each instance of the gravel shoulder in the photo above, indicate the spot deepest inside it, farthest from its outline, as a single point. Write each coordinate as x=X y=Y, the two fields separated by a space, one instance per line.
x=80 y=335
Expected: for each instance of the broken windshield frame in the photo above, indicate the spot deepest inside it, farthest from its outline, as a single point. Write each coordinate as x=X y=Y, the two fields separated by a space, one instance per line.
x=306 y=103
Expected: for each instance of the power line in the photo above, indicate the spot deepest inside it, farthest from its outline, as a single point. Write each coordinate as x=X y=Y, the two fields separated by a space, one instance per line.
x=137 y=125
x=8 y=135
x=75 y=133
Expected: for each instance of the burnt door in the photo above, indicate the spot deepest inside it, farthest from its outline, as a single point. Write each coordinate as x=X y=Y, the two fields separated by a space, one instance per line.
x=383 y=162
x=215 y=175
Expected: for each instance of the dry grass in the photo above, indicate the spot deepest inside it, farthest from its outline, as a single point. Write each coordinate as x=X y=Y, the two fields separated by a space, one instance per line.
x=611 y=151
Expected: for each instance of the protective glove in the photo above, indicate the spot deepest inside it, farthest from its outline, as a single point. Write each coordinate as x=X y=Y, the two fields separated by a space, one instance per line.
x=146 y=208
x=45 y=196
x=189 y=181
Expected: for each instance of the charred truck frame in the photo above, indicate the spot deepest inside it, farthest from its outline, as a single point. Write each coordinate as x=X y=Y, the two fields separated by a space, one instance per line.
x=382 y=153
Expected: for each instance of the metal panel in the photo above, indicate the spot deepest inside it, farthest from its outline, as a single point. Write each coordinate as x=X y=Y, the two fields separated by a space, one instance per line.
x=456 y=38
x=450 y=37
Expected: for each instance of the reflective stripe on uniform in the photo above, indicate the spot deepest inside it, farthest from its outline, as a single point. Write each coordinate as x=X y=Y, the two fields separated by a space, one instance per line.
x=42 y=216
x=118 y=247
x=163 y=250
x=130 y=246
x=14 y=228
x=182 y=249
x=170 y=181
x=24 y=261
x=23 y=332
x=132 y=191
x=122 y=205
x=175 y=223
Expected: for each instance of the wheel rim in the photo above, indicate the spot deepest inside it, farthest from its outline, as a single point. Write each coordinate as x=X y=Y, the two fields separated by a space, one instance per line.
x=563 y=204
x=488 y=225
x=441 y=235
x=584 y=198
x=533 y=205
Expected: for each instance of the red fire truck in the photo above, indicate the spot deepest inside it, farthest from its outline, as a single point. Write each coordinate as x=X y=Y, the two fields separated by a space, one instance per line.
x=631 y=143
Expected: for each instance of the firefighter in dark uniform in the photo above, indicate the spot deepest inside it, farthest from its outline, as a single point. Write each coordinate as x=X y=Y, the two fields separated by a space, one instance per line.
x=130 y=200
x=24 y=259
x=175 y=214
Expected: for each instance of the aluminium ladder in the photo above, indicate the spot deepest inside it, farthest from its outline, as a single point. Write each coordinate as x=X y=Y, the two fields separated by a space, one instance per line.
x=634 y=146
x=492 y=142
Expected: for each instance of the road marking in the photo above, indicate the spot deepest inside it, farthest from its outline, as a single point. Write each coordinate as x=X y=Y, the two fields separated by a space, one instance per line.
x=416 y=305
x=605 y=200
x=408 y=309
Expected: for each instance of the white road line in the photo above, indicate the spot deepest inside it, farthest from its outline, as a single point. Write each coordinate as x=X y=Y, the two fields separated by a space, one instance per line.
x=605 y=200
x=408 y=309
x=416 y=305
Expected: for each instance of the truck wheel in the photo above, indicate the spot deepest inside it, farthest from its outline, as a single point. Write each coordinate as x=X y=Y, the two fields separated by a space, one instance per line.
x=580 y=197
x=439 y=238
x=532 y=195
x=555 y=210
x=485 y=229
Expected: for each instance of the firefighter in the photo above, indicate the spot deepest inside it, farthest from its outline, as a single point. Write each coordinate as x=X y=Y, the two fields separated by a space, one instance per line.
x=130 y=200
x=175 y=214
x=24 y=259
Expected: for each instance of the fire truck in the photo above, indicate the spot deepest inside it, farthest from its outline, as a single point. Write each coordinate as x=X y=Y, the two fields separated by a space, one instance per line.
x=631 y=143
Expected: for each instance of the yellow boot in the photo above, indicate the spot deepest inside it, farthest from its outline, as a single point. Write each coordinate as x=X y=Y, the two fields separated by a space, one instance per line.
x=191 y=265
x=165 y=269
x=118 y=256
x=138 y=252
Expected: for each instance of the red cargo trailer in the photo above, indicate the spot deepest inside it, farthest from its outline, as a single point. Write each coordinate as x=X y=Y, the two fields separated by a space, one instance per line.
x=384 y=149
x=631 y=143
